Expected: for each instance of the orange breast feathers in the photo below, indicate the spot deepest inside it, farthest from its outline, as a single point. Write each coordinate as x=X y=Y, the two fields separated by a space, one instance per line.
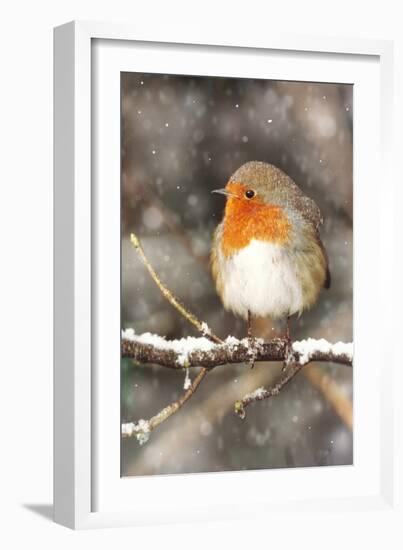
x=247 y=219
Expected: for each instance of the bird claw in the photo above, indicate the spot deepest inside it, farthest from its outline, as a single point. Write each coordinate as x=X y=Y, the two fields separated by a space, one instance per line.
x=253 y=347
x=289 y=356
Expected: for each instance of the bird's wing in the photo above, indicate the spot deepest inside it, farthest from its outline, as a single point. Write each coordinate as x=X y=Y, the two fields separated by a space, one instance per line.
x=311 y=213
x=309 y=210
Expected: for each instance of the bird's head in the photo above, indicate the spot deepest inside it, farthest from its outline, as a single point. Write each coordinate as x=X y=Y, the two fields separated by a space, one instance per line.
x=256 y=186
x=257 y=199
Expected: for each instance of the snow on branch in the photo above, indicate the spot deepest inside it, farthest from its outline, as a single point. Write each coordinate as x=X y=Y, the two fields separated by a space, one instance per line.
x=200 y=352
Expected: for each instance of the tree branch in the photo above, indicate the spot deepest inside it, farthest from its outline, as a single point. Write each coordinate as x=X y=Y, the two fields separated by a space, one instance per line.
x=198 y=352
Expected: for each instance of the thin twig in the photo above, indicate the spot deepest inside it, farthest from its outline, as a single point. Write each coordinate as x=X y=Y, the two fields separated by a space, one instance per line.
x=176 y=405
x=143 y=428
x=265 y=393
x=202 y=327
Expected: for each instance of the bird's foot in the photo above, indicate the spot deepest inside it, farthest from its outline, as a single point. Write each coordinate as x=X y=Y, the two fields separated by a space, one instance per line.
x=289 y=356
x=253 y=347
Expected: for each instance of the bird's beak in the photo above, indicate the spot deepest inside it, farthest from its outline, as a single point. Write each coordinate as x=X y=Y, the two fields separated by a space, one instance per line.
x=224 y=192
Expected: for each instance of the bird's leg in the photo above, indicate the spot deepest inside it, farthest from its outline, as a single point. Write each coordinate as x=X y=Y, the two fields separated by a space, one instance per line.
x=287 y=330
x=288 y=354
x=251 y=340
x=249 y=325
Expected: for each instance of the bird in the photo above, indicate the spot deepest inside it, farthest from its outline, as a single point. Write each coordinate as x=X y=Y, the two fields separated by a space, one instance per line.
x=267 y=257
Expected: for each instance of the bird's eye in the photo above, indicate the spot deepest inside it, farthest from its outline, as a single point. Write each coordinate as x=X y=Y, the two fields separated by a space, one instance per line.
x=249 y=194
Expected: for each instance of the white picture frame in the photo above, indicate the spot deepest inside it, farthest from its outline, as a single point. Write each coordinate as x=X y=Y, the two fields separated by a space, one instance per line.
x=87 y=490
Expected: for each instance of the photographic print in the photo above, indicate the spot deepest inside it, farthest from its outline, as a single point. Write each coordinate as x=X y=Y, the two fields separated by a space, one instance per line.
x=236 y=274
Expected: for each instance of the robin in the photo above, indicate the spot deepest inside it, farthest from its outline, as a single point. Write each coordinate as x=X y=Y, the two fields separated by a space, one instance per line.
x=267 y=256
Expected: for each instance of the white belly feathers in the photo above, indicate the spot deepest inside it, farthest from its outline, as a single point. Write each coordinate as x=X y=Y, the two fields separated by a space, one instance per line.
x=261 y=278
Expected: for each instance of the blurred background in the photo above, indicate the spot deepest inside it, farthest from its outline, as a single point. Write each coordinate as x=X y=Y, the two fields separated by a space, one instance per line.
x=182 y=137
